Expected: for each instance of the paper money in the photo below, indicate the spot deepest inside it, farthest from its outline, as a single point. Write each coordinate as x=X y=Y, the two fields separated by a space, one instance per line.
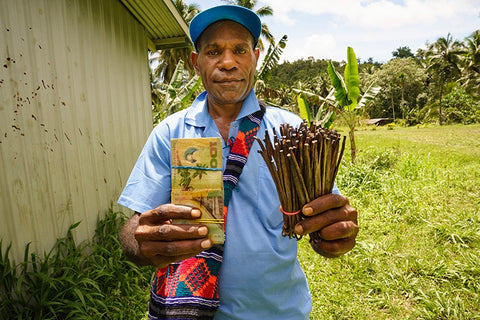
x=197 y=181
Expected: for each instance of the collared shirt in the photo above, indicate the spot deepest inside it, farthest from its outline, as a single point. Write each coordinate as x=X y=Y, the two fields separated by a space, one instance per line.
x=260 y=277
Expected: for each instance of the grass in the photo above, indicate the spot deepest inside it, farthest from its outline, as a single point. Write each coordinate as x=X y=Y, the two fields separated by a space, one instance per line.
x=417 y=191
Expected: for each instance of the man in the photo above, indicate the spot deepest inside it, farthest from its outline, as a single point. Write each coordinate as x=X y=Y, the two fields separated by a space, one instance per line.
x=260 y=277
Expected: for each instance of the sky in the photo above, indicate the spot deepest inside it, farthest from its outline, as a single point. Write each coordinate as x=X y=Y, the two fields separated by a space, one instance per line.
x=323 y=29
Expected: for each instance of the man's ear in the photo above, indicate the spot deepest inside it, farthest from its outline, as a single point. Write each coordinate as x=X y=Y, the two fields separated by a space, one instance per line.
x=257 y=53
x=194 y=57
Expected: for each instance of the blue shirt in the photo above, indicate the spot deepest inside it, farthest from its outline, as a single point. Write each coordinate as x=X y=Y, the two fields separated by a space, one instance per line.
x=260 y=277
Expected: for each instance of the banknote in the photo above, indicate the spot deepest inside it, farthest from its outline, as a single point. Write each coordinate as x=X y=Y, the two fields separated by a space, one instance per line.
x=197 y=181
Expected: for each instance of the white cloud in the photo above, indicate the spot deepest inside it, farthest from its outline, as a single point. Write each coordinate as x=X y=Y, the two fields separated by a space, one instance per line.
x=375 y=13
x=319 y=45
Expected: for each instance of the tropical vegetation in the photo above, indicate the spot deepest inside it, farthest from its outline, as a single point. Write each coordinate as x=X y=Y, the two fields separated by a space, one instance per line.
x=413 y=86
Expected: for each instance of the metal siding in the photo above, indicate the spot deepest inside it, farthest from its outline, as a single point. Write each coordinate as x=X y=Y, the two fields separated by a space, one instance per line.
x=74 y=115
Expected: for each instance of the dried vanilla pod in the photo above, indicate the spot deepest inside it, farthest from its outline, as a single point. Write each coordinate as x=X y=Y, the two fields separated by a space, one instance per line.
x=303 y=163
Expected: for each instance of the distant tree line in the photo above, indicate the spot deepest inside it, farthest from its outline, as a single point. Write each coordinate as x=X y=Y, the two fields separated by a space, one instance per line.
x=441 y=83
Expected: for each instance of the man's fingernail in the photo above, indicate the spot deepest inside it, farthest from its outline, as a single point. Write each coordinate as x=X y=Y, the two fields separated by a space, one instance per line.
x=203 y=231
x=206 y=244
x=307 y=211
x=298 y=229
x=196 y=213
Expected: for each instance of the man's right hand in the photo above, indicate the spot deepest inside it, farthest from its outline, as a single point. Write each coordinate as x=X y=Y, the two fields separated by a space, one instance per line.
x=160 y=242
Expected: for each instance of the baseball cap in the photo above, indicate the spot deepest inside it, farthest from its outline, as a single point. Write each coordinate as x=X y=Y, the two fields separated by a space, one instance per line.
x=244 y=16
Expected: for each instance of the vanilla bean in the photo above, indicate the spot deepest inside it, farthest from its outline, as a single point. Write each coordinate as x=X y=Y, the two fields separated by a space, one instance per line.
x=303 y=162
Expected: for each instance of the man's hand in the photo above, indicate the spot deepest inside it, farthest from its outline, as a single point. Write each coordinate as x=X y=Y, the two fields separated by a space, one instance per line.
x=159 y=241
x=336 y=222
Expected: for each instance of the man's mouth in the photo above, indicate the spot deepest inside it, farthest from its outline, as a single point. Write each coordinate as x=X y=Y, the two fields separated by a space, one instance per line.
x=228 y=81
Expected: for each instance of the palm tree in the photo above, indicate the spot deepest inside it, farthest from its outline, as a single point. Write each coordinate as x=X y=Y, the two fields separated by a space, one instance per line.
x=444 y=61
x=262 y=12
x=471 y=71
x=165 y=61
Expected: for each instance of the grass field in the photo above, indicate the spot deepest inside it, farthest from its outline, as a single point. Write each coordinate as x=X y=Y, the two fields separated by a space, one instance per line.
x=417 y=191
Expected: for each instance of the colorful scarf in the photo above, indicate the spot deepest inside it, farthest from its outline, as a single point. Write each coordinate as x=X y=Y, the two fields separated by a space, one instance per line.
x=189 y=289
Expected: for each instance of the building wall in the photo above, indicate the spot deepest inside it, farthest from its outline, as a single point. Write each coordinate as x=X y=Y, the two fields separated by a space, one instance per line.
x=74 y=115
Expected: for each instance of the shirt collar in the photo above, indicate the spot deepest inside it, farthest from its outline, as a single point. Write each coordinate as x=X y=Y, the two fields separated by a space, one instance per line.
x=197 y=115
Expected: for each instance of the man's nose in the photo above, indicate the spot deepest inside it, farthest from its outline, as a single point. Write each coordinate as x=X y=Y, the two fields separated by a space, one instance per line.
x=227 y=61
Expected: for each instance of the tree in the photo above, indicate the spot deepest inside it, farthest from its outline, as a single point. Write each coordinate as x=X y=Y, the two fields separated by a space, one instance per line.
x=264 y=74
x=165 y=61
x=471 y=71
x=271 y=60
x=262 y=12
x=443 y=63
x=403 y=52
x=174 y=96
x=401 y=79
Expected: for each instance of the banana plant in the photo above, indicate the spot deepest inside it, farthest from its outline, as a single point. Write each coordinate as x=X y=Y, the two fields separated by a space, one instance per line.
x=347 y=94
x=271 y=60
x=326 y=112
x=344 y=99
x=175 y=95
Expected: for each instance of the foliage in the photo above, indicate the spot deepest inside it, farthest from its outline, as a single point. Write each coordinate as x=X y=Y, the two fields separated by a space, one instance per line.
x=314 y=108
x=90 y=280
x=444 y=59
x=471 y=72
x=271 y=60
x=401 y=79
x=403 y=52
x=347 y=95
x=412 y=87
x=176 y=95
x=288 y=74
x=418 y=250
x=460 y=107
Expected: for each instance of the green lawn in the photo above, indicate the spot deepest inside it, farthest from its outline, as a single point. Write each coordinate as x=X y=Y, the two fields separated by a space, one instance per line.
x=417 y=191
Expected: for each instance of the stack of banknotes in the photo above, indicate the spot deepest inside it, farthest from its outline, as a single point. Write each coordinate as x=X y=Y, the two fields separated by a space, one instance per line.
x=197 y=182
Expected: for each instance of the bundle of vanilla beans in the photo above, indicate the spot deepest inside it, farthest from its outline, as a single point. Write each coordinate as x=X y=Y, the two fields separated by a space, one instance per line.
x=303 y=162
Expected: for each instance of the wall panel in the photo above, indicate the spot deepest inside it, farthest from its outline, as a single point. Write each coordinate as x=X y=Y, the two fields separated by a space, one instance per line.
x=74 y=115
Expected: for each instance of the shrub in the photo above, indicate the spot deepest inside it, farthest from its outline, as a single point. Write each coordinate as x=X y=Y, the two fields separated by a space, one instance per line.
x=90 y=280
x=460 y=107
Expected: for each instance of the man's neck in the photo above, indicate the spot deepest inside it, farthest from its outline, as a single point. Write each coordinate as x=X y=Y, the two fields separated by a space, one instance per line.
x=224 y=115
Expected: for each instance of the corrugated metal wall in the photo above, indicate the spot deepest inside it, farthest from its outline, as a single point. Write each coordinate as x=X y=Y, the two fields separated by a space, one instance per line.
x=74 y=115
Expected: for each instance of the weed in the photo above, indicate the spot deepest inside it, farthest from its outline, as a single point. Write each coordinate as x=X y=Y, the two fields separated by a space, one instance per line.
x=90 y=280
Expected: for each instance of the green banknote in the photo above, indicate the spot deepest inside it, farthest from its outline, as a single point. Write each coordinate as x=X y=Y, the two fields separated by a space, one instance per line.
x=197 y=181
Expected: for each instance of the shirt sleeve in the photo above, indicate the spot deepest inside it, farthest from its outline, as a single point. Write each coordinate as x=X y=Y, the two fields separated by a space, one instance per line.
x=149 y=184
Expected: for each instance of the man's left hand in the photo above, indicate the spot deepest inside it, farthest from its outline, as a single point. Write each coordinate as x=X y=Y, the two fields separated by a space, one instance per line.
x=336 y=222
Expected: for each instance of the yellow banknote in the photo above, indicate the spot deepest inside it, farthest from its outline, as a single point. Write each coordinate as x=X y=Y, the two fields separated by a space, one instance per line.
x=197 y=181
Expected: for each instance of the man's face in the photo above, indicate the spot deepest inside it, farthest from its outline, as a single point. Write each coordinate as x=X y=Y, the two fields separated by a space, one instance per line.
x=226 y=61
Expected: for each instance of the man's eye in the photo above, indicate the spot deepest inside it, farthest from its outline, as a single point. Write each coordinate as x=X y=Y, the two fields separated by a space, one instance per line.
x=212 y=52
x=241 y=51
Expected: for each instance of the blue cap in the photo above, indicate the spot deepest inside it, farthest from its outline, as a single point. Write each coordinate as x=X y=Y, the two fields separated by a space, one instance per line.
x=244 y=16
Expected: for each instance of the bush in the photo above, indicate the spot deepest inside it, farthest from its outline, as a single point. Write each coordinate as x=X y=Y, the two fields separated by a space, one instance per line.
x=91 y=280
x=460 y=107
